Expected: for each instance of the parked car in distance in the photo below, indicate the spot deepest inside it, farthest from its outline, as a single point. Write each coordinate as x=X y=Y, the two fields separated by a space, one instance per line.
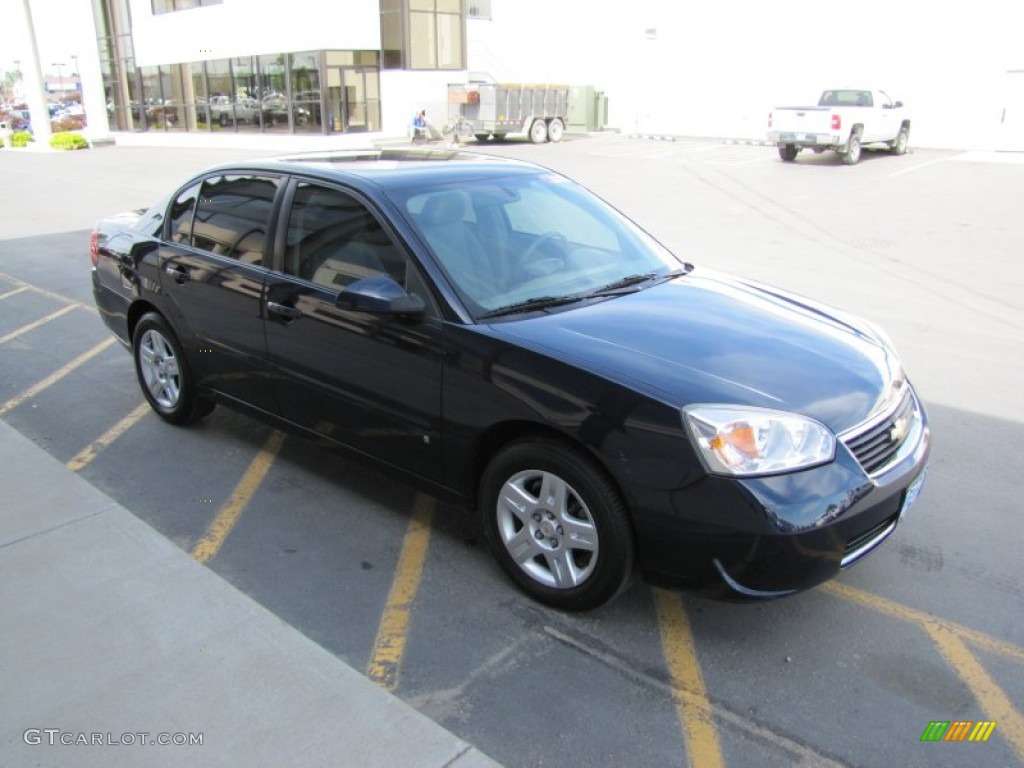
x=496 y=334
x=222 y=108
x=845 y=120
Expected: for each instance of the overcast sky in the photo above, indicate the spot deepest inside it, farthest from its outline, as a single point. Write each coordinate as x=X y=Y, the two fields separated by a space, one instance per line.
x=63 y=28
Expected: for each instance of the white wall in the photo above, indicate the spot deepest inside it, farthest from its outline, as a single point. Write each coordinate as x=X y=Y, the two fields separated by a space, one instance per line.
x=716 y=69
x=403 y=93
x=246 y=27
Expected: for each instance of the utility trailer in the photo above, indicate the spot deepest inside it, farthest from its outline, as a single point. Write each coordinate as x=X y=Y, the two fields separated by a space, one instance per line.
x=501 y=109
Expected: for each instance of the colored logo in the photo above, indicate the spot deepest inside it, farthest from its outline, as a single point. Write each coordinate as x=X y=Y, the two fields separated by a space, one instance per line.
x=958 y=730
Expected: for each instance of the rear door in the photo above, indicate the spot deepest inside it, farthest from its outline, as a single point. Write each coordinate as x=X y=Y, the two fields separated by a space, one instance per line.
x=213 y=275
x=372 y=382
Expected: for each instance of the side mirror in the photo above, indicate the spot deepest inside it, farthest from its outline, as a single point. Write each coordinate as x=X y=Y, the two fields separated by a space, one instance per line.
x=380 y=295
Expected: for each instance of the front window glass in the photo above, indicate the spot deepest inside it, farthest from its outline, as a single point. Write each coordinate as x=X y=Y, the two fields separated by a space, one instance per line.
x=511 y=240
x=334 y=240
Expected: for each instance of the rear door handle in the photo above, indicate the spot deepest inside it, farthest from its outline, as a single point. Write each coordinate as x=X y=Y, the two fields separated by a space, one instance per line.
x=178 y=272
x=283 y=310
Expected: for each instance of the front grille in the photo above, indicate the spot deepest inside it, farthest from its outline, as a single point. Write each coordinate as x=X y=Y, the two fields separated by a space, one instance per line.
x=860 y=545
x=875 y=447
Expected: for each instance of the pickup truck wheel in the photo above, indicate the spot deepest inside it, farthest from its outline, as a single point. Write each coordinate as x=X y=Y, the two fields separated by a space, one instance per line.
x=788 y=152
x=539 y=131
x=852 y=154
x=899 y=146
x=223 y=120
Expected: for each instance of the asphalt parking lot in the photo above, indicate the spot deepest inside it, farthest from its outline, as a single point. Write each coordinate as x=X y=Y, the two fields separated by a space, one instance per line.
x=396 y=584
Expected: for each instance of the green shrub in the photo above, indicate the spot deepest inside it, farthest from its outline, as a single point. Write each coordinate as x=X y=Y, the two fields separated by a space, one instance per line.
x=21 y=138
x=68 y=141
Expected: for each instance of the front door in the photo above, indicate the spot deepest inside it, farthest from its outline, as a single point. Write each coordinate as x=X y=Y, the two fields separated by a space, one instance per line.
x=371 y=382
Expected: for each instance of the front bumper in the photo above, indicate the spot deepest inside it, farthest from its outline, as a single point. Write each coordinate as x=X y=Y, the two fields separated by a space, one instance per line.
x=773 y=536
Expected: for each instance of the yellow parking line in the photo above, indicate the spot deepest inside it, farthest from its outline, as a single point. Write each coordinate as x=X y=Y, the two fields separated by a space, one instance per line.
x=54 y=377
x=905 y=613
x=85 y=456
x=393 y=631
x=43 y=292
x=692 y=704
x=35 y=324
x=218 y=530
x=15 y=292
x=991 y=698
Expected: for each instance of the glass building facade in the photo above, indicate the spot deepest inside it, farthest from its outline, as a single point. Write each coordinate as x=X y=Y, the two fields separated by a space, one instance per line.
x=315 y=92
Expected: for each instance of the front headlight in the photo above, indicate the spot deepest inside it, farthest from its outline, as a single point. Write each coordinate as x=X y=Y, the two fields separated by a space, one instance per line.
x=742 y=441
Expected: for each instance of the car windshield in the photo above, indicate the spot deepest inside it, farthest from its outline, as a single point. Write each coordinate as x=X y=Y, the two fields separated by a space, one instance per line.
x=530 y=242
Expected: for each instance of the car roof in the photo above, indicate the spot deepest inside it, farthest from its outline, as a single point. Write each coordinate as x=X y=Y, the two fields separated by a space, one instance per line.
x=393 y=168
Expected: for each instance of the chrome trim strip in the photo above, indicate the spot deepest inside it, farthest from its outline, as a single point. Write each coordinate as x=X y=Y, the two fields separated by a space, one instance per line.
x=867 y=546
x=747 y=591
x=874 y=421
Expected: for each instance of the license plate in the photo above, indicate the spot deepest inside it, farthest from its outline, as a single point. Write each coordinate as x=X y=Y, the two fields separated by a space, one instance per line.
x=912 y=492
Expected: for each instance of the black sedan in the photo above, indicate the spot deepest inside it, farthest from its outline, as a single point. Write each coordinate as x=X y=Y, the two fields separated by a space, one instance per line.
x=493 y=332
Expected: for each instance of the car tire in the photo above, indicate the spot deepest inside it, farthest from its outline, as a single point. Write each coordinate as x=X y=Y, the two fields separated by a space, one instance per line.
x=163 y=372
x=482 y=137
x=224 y=120
x=539 y=131
x=788 y=152
x=556 y=524
x=852 y=154
x=899 y=146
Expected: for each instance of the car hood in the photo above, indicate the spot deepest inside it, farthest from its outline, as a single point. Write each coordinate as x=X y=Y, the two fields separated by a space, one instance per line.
x=709 y=338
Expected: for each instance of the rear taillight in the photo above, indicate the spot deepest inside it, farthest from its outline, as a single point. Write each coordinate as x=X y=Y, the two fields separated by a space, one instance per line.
x=769 y=119
x=94 y=247
x=837 y=122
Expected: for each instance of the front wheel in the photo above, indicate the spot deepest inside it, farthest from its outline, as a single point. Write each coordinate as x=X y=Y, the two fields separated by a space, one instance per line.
x=556 y=524
x=852 y=154
x=164 y=374
x=788 y=152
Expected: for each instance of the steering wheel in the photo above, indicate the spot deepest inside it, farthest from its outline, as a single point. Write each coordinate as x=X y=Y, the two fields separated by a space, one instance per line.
x=538 y=267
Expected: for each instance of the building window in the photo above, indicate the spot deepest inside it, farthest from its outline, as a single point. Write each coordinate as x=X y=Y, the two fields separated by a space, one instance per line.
x=167 y=6
x=422 y=34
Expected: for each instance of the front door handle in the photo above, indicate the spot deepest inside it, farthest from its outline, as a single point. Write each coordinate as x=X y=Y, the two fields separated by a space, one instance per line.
x=178 y=272
x=283 y=310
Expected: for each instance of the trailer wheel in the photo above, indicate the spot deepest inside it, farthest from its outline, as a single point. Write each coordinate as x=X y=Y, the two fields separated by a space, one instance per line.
x=555 y=130
x=788 y=152
x=499 y=137
x=539 y=131
x=482 y=137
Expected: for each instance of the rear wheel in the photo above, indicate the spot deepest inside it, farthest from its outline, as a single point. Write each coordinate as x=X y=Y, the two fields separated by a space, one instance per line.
x=852 y=154
x=163 y=372
x=539 y=131
x=899 y=146
x=482 y=137
x=556 y=128
x=788 y=152
x=556 y=524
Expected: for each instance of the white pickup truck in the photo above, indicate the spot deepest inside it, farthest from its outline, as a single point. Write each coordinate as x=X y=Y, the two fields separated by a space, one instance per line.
x=845 y=120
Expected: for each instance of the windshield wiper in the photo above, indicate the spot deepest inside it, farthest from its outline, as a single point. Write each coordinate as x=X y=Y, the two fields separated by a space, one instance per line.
x=632 y=280
x=536 y=303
